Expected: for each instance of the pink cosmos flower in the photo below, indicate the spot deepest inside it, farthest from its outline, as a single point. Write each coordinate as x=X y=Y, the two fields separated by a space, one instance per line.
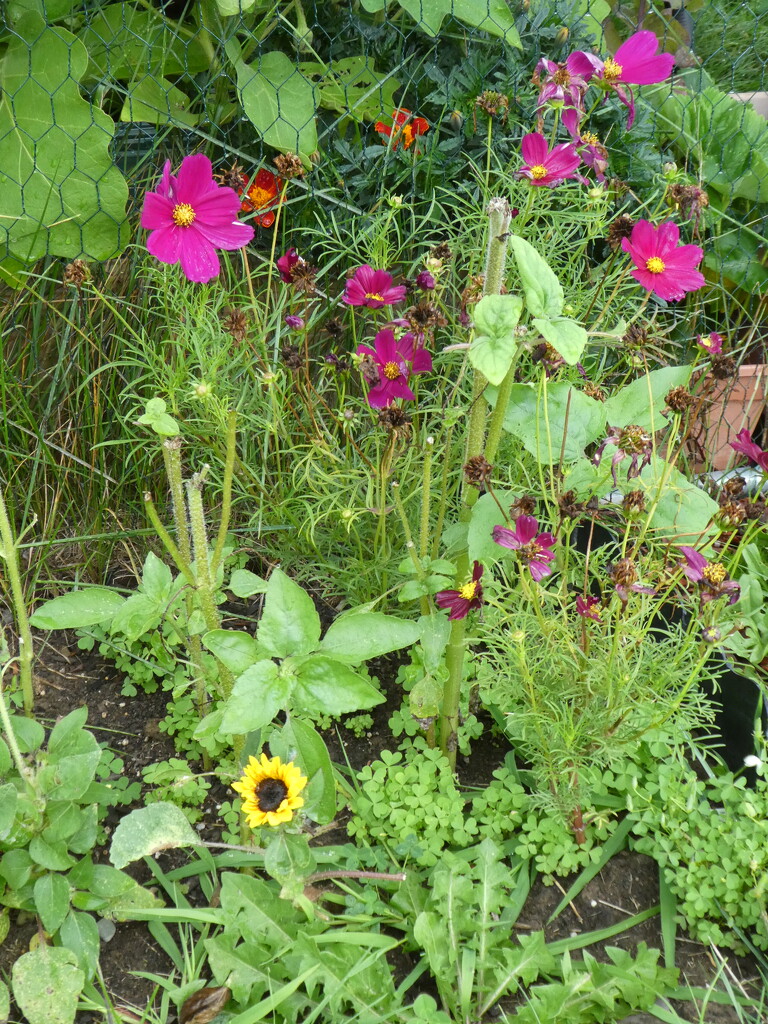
x=286 y=263
x=713 y=344
x=712 y=577
x=744 y=445
x=631 y=442
x=661 y=265
x=394 y=360
x=544 y=166
x=532 y=548
x=189 y=217
x=373 y=288
x=593 y=153
x=586 y=607
x=636 y=62
x=463 y=600
x=560 y=85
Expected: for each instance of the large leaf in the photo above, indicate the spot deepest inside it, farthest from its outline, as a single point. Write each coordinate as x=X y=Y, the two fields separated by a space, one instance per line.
x=289 y=624
x=543 y=292
x=158 y=101
x=325 y=686
x=542 y=425
x=492 y=16
x=148 y=830
x=279 y=101
x=234 y=649
x=298 y=741
x=355 y=637
x=566 y=336
x=256 y=698
x=47 y=984
x=81 y=608
x=353 y=86
x=485 y=515
x=60 y=191
x=641 y=401
x=683 y=511
x=495 y=343
x=51 y=894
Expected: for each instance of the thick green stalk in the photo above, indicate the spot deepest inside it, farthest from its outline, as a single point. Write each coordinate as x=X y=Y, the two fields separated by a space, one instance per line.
x=226 y=496
x=172 y=459
x=9 y=553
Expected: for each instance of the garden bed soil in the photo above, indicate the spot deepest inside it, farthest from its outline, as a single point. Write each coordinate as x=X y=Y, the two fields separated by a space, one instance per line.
x=66 y=678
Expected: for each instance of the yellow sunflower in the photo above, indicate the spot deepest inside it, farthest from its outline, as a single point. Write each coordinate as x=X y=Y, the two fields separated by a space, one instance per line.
x=270 y=790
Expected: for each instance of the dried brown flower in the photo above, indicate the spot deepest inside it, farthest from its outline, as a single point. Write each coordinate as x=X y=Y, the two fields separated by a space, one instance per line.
x=289 y=166
x=303 y=276
x=441 y=251
x=733 y=487
x=722 y=367
x=594 y=391
x=731 y=513
x=633 y=503
x=569 y=507
x=395 y=420
x=690 y=200
x=236 y=322
x=624 y=573
x=525 y=505
x=292 y=357
x=495 y=104
x=477 y=472
x=334 y=328
x=637 y=337
x=474 y=291
x=679 y=399
x=77 y=273
x=234 y=177
x=619 y=229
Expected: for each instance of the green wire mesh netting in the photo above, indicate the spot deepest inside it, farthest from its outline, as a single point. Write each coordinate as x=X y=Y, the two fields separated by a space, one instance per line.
x=96 y=95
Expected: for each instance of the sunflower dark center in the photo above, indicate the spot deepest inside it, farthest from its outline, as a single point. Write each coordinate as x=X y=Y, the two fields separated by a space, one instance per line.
x=270 y=793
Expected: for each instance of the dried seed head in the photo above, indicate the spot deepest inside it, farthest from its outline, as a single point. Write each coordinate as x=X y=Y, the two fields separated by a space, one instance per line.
x=594 y=391
x=442 y=251
x=525 y=505
x=569 y=507
x=624 y=573
x=734 y=486
x=477 y=472
x=77 y=273
x=619 y=229
x=731 y=513
x=395 y=420
x=679 y=399
x=633 y=503
x=494 y=104
x=236 y=323
x=722 y=367
x=292 y=357
x=289 y=166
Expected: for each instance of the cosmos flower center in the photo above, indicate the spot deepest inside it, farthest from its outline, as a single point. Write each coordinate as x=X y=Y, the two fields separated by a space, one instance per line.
x=468 y=591
x=562 y=77
x=260 y=196
x=530 y=551
x=183 y=215
x=655 y=264
x=391 y=371
x=611 y=70
x=270 y=793
x=538 y=171
x=374 y=295
x=714 y=573
x=633 y=440
x=590 y=139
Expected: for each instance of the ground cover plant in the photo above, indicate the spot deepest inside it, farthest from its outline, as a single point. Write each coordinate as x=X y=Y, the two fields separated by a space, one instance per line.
x=432 y=472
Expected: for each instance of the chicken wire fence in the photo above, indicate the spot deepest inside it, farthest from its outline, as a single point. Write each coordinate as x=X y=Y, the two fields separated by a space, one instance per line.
x=95 y=96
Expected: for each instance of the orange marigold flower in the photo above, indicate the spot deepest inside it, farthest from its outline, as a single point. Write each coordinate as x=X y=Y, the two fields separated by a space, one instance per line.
x=405 y=128
x=261 y=193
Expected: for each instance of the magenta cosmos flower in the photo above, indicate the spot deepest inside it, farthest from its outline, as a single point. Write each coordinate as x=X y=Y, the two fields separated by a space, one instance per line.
x=374 y=288
x=189 y=217
x=286 y=263
x=711 y=576
x=545 y=166
x=394 y=361
x=636 y=62
x=463 y=600
x=661 y=265
x=744 y=445
x=587 y=607
x=531 y=548
x=713 y=344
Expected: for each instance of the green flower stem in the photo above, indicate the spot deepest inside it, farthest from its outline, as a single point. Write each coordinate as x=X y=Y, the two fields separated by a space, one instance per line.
x=426 y=488
x=168 y=541
x=172 y=459
x=454 y=661
x=496 y=424
x=9 y=553
x=410 y=546
x=10 y=735
x=200 y=542
x=226 y=497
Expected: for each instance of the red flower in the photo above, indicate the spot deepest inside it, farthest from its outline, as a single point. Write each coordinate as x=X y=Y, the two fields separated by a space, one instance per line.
x=463 y=600
x=404 y=129
x=545 y=166
x=744 y=445
x=391 y=360
x=263 y=193
x=286 y=263
x=373 y=288
x=531 y=547
x=661 y=265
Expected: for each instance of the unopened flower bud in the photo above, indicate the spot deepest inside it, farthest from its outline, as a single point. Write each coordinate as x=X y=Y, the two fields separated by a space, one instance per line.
x=294 y=322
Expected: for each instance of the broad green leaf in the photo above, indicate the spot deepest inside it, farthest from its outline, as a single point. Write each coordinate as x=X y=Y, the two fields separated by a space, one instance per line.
x=159 y=102
x=8 y=800
x=138 y=614
x=542 y=425
x=239 y=965
x=52 y=900
x=60 y=191
x=355 y=637
x=495 y=343
x=325 y=686
x=298 y=741
x=289 y=624
x=288 y=858
x=94 y=606
x=543 y=292
x=253 y=907
x=683 y=511
x=235 y=649
x=244 y=583
x=156 y=578
x=566 y=336
x=47 y=984
x=29 y=733
x=5 y=1002
x=51 y=856
x=228 y=8
x=641 y=401
x=353 y=86
x=485 y=515
x=279 y=101
x=80 y=934
x=148 y=830
x=492 y=16
x=257 y=697
x=73 y=756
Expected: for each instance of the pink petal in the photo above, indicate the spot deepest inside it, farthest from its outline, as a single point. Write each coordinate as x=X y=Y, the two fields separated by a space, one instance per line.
x=525 y=528
x=226 y=236
x=640 y=62
x=198 y=257
x=534 y=149
x=667 y=237
x=195 y=179
x=157 y=211
x=587 y=65
x=505 y=537
x=422 y=361
x=386 y=347
x=164 y=243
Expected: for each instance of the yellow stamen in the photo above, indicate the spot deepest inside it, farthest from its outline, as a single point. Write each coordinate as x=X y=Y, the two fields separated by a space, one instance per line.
x=590 y=139
x=714 y=573
x=538 y=171
x=611 y=70
x=374 y=295
x=407 y=136
x=391 y=371
x=260 y=196
x=183 y=215
x=655 y=265
x=468 y=591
